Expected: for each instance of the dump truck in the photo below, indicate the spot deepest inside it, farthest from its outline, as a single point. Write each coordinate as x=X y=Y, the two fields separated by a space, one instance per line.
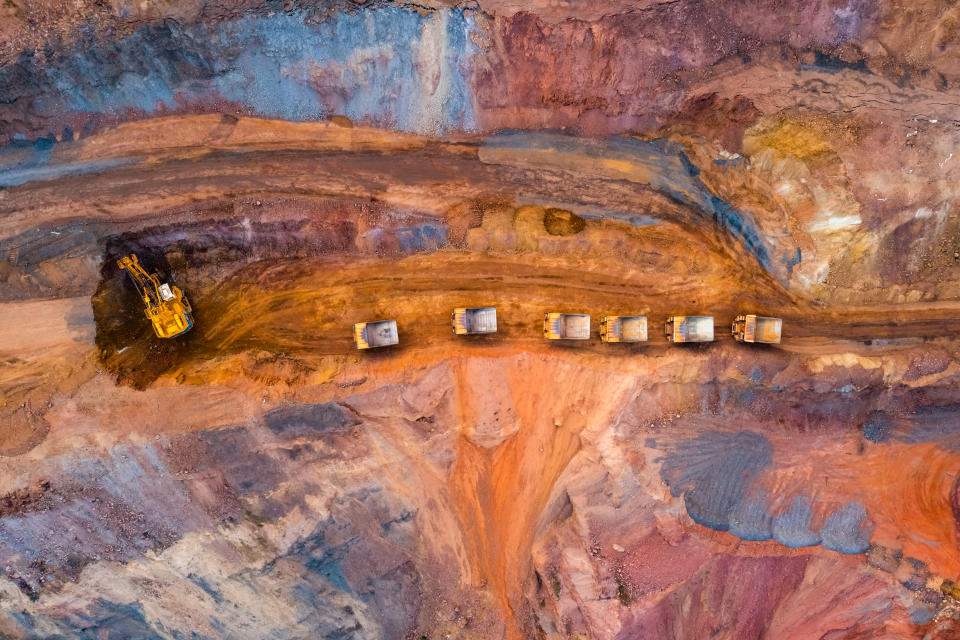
x=380 y=333
x=751 y=328
x=474 y=321
x=623 y=328
x=689 y=329
x=166 y=307
x=566 y=326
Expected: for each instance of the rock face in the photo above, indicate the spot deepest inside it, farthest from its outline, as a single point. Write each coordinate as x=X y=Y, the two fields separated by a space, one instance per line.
x=296 y=169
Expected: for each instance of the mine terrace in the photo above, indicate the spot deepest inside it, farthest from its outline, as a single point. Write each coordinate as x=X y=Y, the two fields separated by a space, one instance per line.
x=239 y=468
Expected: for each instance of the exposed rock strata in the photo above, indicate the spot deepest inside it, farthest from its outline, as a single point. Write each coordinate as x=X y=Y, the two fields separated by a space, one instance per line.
x=261 y=479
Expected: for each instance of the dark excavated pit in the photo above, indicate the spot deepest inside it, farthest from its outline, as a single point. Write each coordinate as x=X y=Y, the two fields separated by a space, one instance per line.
x=196 y=260
x=126 y=344
x=209 y=261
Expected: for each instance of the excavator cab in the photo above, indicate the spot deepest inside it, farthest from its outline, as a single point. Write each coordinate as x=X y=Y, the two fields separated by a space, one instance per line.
x=166 y=306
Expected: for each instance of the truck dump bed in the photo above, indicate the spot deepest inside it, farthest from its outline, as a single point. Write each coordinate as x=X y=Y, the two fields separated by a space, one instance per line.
x=381 y=333
x=623 y=329
x=566 y=326
x=474 y=321
x=690 y=328
x=752 y=328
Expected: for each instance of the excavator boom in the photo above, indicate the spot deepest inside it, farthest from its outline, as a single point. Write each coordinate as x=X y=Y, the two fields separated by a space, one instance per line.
x=166 y=307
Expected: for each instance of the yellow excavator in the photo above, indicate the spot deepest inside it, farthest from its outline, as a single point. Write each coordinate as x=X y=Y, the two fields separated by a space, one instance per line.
x=167 y=307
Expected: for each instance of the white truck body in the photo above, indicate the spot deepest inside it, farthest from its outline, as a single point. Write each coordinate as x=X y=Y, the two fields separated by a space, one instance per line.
x=566 y=326
x=474 y=321
x=623 y=328
x=380 y=333
x=689 y=329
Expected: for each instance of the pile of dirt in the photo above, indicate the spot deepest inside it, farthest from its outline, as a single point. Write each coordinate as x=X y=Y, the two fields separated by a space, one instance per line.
x=560 y=222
